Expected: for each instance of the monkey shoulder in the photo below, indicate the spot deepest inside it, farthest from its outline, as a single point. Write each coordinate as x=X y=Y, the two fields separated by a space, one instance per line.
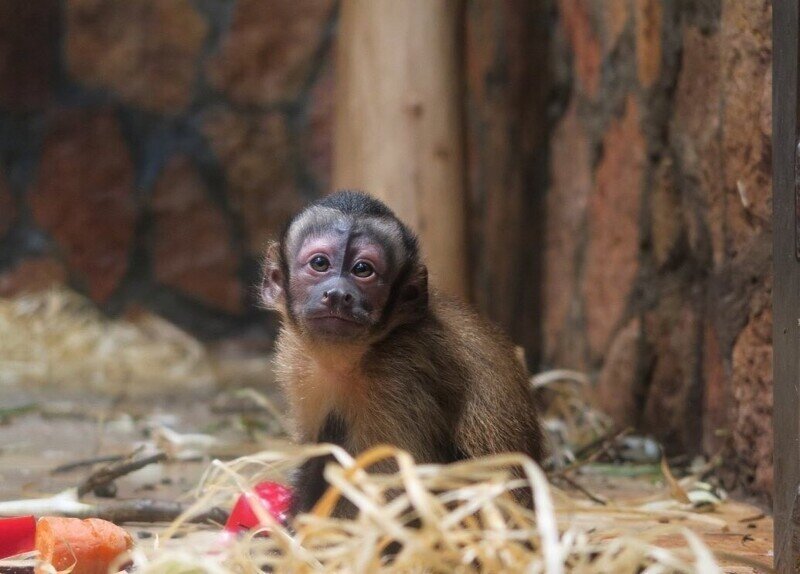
x=481 y=345
x=451 y=353
x=499 y=409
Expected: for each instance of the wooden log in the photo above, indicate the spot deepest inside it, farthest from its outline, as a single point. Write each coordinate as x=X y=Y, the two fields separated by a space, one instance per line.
x=398 y=124
x=786 y=267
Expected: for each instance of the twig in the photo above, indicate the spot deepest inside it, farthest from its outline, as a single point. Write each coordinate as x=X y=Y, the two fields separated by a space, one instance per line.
x=148 y=510
x=111 y=472
x=66 y=503
x=583 y=490
x=602 y=445
x=70 y=466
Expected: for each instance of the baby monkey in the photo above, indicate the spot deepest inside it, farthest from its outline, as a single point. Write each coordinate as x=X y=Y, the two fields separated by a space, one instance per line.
x=367 y=354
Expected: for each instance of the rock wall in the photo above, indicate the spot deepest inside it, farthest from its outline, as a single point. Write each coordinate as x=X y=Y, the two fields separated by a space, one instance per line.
x=149 y=149
x=658 y=235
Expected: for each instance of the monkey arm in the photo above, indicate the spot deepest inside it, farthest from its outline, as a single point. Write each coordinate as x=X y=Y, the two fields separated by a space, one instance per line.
x=493 y=423
x=308 y=481
x=499 y=420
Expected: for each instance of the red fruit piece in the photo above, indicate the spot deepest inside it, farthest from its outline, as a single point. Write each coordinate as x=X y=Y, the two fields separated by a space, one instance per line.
x=274 y=498
x=17 y=535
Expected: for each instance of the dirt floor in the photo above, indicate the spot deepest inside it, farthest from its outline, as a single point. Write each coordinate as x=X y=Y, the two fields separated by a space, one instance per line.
x=40 y=432
x=733 y=527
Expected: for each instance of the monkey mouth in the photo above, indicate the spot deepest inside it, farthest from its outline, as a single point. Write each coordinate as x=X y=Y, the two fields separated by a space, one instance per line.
x=336 y=325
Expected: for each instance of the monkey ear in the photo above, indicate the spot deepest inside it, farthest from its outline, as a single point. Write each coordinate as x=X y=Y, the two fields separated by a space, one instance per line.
x=272 y=278
x=414 y=293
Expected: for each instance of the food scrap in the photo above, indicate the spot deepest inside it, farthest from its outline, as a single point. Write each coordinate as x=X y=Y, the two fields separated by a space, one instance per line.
x=87 y=546
x=273 y=497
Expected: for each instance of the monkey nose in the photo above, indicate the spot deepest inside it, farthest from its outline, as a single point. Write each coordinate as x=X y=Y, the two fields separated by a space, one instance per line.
x=334 y=297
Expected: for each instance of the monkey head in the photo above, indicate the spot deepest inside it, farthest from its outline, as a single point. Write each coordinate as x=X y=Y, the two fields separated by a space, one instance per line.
x=346 y=269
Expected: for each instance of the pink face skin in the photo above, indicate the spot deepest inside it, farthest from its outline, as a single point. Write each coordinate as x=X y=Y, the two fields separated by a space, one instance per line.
x=340 y=283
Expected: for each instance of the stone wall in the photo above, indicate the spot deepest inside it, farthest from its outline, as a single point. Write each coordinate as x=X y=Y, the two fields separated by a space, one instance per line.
x=658 y=236
x=149 y=149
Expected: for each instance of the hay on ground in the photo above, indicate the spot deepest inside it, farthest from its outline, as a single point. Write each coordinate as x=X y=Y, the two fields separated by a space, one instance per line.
x=58 y=339
x=425 y=518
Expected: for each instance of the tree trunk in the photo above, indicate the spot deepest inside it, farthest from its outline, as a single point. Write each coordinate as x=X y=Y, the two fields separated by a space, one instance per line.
x=398 y=122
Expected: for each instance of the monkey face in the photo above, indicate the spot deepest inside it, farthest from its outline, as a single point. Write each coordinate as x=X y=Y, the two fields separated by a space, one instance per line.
x=339 y=283
x=345 y=276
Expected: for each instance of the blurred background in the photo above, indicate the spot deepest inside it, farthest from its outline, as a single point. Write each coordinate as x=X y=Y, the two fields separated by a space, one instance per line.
x=607 y=176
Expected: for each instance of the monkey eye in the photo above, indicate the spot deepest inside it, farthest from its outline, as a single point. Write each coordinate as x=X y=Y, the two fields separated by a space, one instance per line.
x=363 y=269
x=319 y=263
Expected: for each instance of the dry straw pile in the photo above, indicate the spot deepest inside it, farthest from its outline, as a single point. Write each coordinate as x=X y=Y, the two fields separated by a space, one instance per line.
x=59 y=339
x=423 y=518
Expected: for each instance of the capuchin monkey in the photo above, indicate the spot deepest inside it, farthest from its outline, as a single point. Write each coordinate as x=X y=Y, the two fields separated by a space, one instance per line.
x=368 y=354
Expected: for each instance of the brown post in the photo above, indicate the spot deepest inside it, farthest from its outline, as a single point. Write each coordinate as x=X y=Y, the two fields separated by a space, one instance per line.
x=398 y=122
x=786 y=291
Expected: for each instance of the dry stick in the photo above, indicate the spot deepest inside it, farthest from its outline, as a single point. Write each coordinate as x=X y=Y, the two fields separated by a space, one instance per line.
x=146 y=510
x=605 y=443
x=141 y=510
x=136 y=510
x=66 y=503
x=113 y=471
x=582 y=489
x=754 y=518
x=70 y=466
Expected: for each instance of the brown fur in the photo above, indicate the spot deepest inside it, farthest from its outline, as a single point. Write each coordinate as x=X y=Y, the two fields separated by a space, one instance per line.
x=450 y=378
